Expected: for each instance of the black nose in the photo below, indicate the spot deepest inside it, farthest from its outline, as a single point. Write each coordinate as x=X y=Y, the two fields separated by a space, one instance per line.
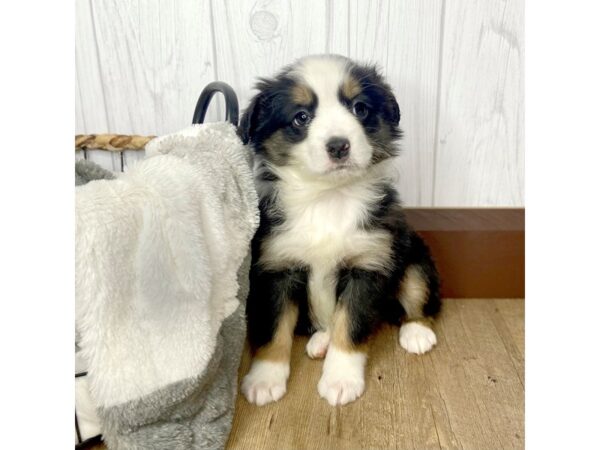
x=338 y=148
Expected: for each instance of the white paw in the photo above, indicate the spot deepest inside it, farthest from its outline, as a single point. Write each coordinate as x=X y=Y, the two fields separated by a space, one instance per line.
x=317 y=345
x=417 y=338
x=340 y=390
x=266 y=382
x=343 y=377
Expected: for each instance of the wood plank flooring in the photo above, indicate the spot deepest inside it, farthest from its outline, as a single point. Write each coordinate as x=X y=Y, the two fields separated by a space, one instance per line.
x=468 y=393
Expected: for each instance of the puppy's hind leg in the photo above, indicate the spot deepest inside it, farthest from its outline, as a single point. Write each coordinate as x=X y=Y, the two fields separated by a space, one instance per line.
x=420 y=298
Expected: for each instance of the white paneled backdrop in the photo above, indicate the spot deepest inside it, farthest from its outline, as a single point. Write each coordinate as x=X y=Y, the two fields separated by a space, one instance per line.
x=456 y=67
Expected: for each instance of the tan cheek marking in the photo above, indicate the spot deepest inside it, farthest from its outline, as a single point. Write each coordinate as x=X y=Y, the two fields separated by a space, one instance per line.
x=302 y=94
x=413 y=293
x=340 y=332
x=278 y=350
x=351 y=87
x=277 y=147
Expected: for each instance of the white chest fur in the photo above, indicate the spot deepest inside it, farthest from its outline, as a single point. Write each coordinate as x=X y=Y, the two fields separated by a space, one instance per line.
x=323 y=230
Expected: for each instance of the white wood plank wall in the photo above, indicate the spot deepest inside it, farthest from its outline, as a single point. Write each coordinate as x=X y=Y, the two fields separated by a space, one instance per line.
x=456 y=68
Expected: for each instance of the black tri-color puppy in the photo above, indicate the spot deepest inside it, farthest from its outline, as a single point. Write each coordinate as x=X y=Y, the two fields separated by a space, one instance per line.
x=333 y=255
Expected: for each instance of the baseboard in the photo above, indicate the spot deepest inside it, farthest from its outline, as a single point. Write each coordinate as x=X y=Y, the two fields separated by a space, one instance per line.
x=480 y=252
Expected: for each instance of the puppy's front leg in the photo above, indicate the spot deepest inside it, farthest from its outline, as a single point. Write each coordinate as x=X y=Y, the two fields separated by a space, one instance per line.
x=354 y=319
x=272 y=315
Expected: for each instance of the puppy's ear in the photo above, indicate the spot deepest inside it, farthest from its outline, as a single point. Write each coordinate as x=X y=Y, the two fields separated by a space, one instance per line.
x=257 y=112
x=372 y=80
x=394 y=108
x=248 y=122
x=391 y=105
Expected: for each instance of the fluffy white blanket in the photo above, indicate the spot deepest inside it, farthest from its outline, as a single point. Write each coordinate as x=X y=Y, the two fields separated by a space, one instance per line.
x=157 y=257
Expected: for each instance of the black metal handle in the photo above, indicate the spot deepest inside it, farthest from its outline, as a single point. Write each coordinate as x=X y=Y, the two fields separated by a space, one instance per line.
x=231 y=102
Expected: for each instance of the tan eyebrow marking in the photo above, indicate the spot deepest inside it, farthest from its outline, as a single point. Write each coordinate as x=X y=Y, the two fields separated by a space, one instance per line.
x=351 y=87
x=302 y=94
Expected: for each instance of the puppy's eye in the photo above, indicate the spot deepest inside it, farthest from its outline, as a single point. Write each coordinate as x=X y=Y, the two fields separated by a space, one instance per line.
x=360 y=110
x=302 y=119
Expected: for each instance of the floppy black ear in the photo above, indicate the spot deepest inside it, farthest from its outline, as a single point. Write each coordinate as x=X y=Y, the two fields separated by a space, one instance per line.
x=257 y=112
x=371 y=79
x=391 y=105
x=248 y=122
x=395 y=109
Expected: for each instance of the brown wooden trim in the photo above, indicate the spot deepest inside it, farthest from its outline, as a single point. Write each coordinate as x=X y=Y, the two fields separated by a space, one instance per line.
x=480 y=252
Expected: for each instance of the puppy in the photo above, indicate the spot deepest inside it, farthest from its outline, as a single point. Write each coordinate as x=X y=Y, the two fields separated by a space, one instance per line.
x=333 y=255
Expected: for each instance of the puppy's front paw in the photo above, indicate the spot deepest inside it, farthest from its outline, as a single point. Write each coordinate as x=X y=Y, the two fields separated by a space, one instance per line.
x=416 y=338
x=266 y=382
x=317 y=345
x=343 y=378
x=341 y=389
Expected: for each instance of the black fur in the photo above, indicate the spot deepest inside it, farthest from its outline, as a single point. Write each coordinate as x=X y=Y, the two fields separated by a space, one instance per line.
x=363 y=293
x=269 y=293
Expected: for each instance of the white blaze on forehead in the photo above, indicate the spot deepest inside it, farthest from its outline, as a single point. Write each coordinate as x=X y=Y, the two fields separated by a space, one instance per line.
x=324 y=74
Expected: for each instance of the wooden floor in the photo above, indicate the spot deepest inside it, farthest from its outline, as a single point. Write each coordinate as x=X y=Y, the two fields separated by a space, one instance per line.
x=467 y=393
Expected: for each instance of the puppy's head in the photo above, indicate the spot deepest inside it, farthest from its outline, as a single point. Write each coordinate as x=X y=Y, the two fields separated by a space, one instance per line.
x=324 y=115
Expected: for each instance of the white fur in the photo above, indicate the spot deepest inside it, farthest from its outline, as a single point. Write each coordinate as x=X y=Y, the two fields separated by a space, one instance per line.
x=323 y=229
x=266 y=382
x=417 y=338
x=321 y=288
x=325 y=74
x=317 y=344
x=343 y=378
